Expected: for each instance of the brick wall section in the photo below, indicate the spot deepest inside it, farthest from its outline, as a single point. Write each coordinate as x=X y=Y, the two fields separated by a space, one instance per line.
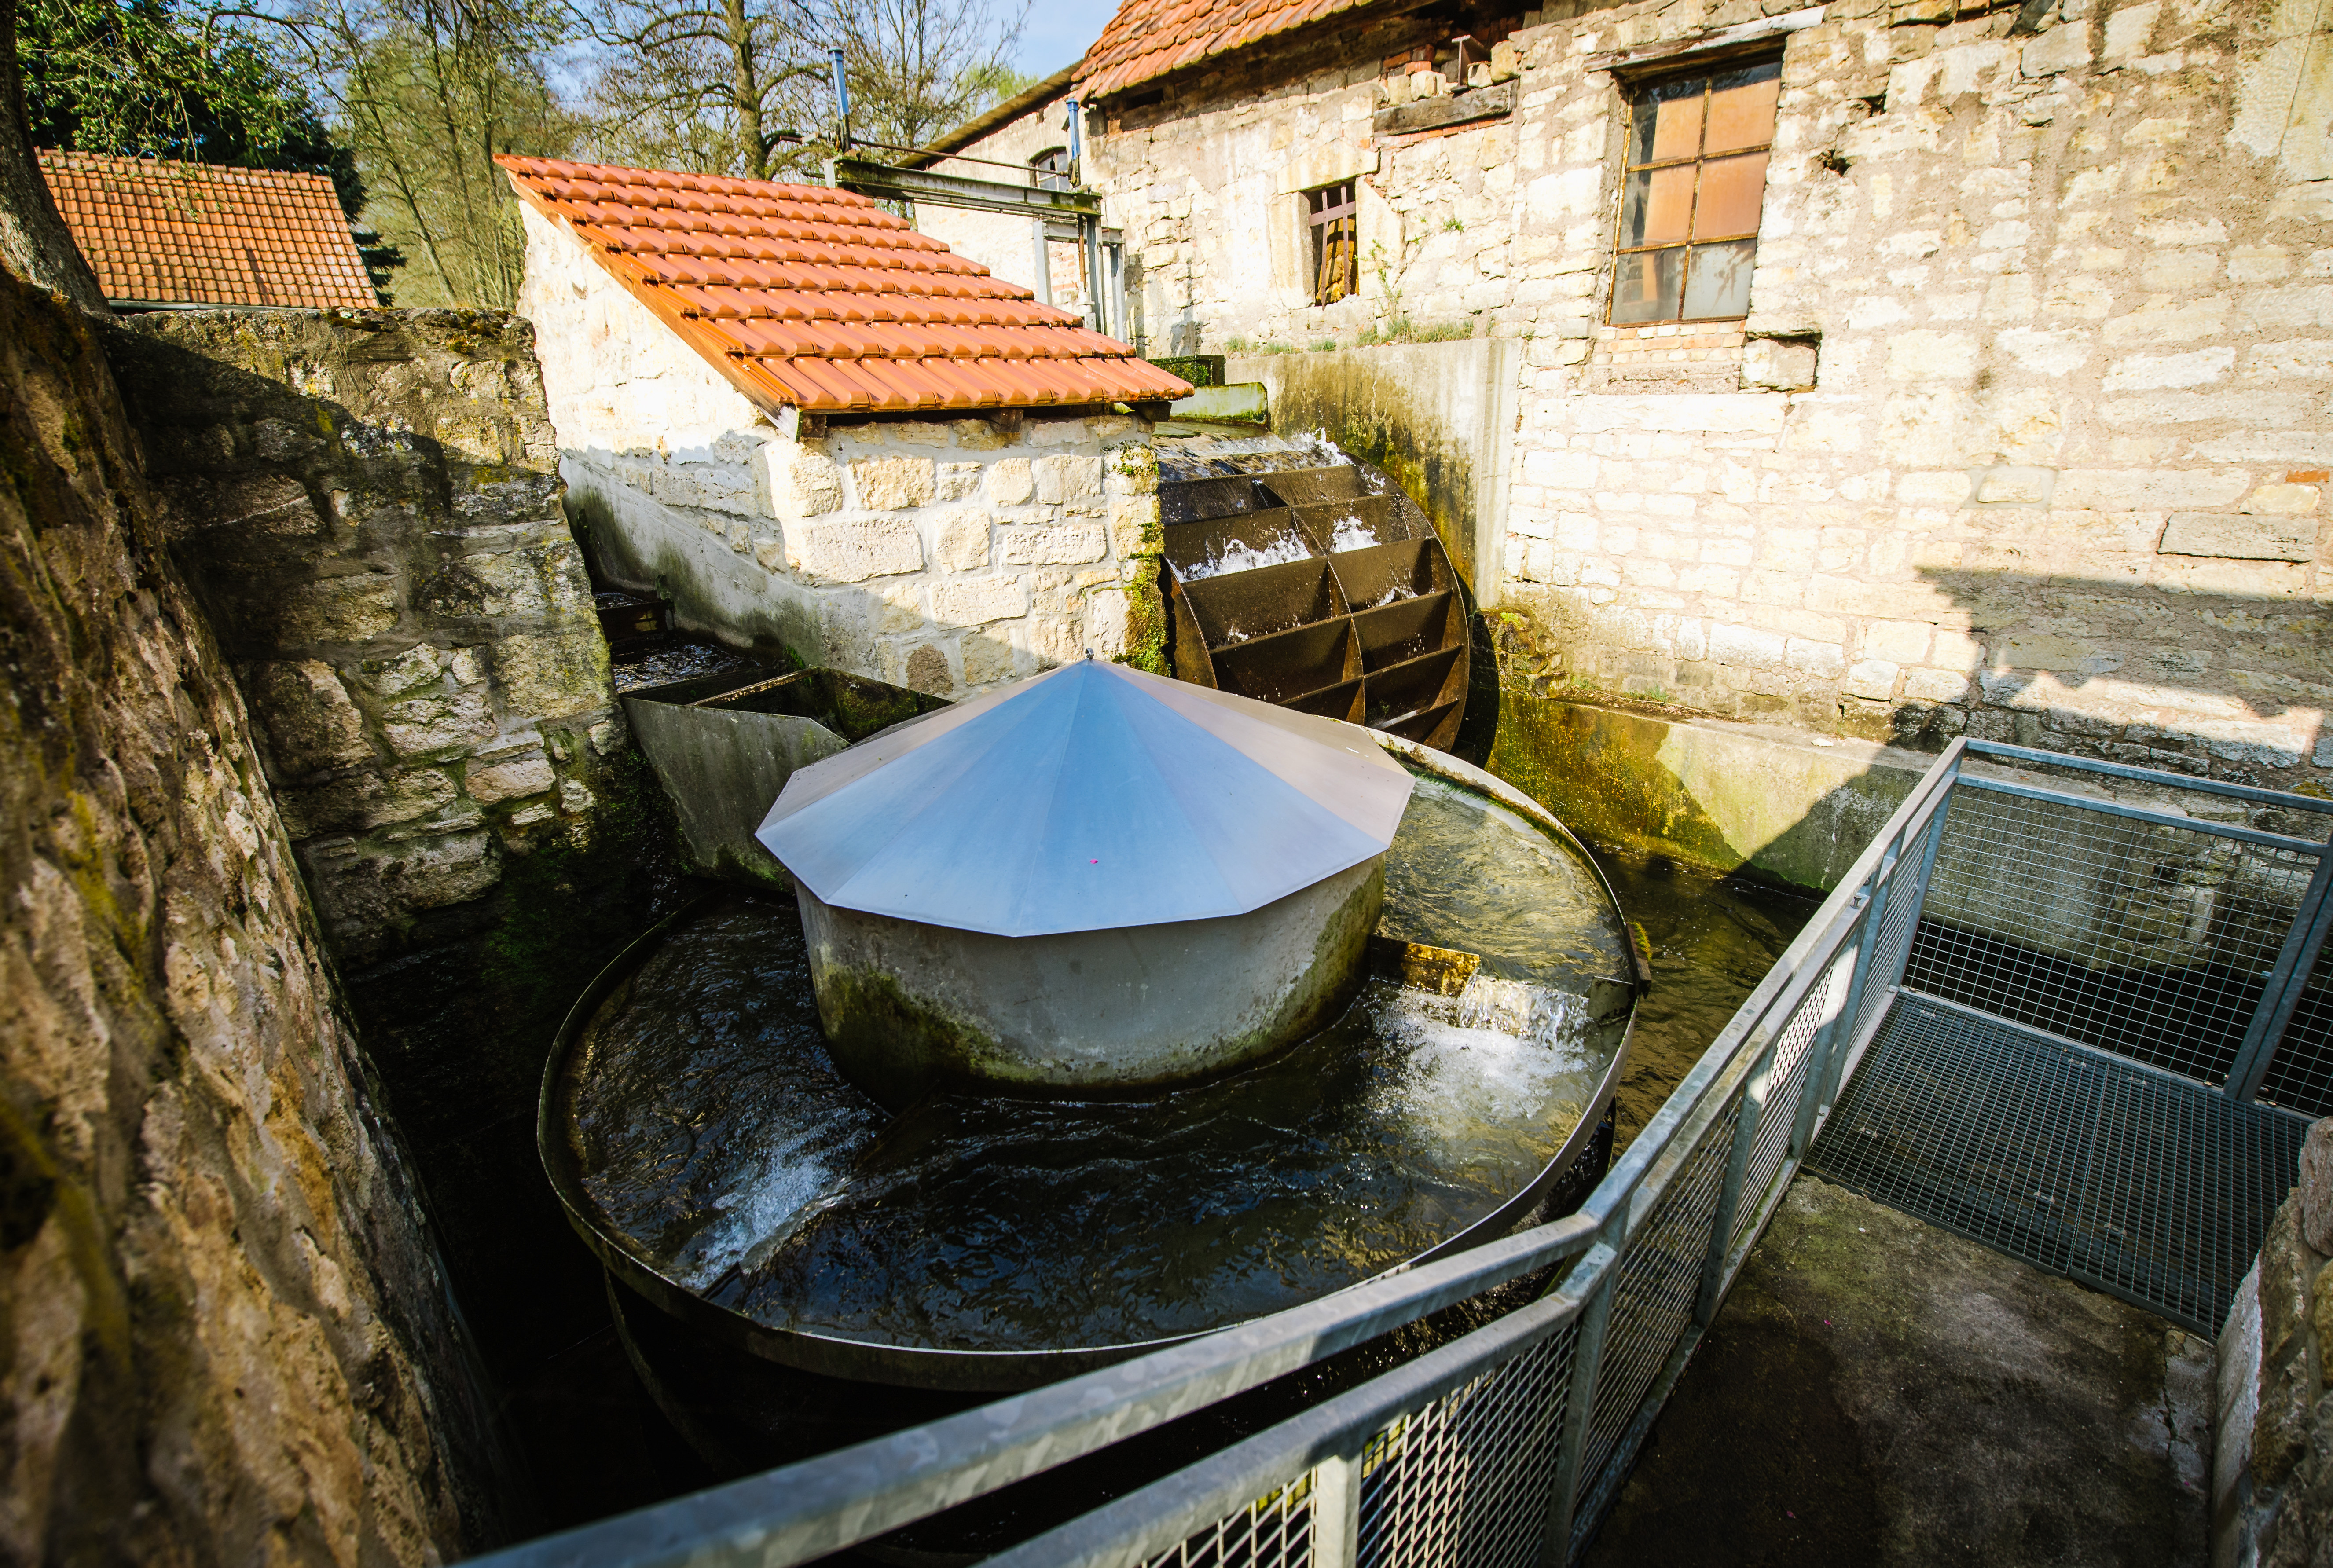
x=2027 y=438
x=368 y=502
x=941 y=554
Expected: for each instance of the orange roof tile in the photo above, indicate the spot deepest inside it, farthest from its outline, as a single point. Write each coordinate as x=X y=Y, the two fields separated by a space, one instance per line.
x=207 y=235
x=817 y=298
x=1149 y=38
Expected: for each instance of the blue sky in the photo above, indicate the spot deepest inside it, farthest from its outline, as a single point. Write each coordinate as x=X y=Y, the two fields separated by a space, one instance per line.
x=1058 y=32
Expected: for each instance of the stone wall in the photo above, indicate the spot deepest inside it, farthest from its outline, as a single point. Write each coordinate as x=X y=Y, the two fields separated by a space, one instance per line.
x=2272 y=1464
x=943 y=554
x=224 y=1337
x=2025 y=435
x=368 y=504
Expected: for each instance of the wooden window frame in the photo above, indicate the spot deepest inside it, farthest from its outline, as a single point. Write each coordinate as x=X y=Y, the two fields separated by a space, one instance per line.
x=1708 y=73
x=1039 y=171
x=1333 y=213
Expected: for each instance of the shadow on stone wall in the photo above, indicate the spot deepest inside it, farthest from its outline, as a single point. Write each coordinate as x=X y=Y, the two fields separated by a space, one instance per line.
x=367 y=505
x=2182 y=677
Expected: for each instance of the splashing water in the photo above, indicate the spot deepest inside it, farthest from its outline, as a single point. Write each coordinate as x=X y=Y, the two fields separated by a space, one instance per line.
x=1245 y=557
x=1352 y=533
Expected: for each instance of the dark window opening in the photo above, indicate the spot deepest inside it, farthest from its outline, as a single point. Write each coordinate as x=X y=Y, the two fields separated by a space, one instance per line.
x=1049 y=169
x=1693 y=182
x=1335 y=250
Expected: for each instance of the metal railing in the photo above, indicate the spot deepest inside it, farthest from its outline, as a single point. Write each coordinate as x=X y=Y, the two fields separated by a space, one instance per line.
x=1506 y=1445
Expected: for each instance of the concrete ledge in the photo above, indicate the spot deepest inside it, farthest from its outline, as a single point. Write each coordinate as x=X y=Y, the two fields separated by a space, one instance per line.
x=1775 y=802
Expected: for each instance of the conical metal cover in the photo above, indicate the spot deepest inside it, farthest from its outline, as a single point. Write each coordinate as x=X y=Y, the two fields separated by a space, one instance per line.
x=1087 y=798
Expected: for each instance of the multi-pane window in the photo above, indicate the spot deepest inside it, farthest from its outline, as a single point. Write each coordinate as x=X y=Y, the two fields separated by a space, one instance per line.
x=1049 y=169
x=1695 y=179
x=1336 y=255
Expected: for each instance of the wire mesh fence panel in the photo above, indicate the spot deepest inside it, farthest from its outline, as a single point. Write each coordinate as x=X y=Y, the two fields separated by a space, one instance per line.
x=1784 y=1083
x=2153 y=1188
x=1890 y=947
x=1467 y=1480
x=2301 y=1076
x=1658 y=1277
x=2153 y=939
x=1275 y=1531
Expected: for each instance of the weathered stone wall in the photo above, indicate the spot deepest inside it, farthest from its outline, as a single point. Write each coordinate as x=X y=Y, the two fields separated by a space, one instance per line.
x=941 y=554
x=222 y=1333
x=368 y=504
x=2025 y=435
x=2272 y=1464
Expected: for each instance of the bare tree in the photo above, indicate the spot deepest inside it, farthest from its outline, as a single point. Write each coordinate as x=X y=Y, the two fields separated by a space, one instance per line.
x=427 y=93
x=726 y=86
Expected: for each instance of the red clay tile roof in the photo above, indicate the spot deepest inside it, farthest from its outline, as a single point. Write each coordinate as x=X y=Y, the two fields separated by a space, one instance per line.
x=202 y=234
x=1149 y=38
x=818 y=298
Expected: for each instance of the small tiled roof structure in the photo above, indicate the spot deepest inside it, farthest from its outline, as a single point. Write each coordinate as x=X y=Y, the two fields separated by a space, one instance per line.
x=1149 y=38
x=818 y=299
x=157 y=232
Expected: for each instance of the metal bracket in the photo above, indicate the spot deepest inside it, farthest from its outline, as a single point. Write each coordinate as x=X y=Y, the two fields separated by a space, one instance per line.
x=887 y=182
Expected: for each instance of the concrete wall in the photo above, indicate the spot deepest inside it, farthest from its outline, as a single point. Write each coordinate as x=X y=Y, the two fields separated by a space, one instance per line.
x=224 y=1334
x=2024 y=435
x=943 y=554
x=1439 y=417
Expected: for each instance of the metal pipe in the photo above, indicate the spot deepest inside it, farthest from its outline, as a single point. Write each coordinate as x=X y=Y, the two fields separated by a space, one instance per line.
x=2286 y=981
x=1040 y=246
x=842 y=98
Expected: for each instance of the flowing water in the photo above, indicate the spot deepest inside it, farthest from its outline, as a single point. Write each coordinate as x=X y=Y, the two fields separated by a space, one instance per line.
x=716 y=1139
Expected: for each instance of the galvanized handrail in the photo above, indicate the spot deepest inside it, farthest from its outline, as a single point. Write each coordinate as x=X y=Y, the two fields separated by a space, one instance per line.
x=1651 y=1252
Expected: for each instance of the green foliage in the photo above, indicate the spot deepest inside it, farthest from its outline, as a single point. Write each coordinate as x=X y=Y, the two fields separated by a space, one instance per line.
x=159 y=79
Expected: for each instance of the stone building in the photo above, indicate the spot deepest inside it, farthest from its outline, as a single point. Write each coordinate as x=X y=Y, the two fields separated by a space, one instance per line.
x=815 y=428
x=1895 y=369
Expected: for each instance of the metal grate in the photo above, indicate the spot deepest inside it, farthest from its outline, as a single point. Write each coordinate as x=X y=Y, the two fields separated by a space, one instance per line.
x=2155 y=1190
x=2154 y=939
x=1653 y=1299
x=1275 y=1531
x=1775 y=1120
x=1463 y=1483
x=2301 y=1075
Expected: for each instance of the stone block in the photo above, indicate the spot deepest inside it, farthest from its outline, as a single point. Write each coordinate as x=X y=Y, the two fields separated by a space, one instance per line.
x=978 y=601
x=1936 y=686
x=955 y=482
x=1814 y=659
x=423 y=725
x=2286 y=500
x=510 y=781
x=1133 y=470
x=1902 y=642
x=553 y=674
x=305 y=713
x=1924 y=355
x=1779 y=365
x=1748 y=647
x=800 y=481
x=854 y=549
x=1874 y=678
x=977 y=435
x=2059 y=49
x=358 y=801
x=1012 y=482
x=363 y=888
x=923 y=668
x=1063 y=478
x=2148 y=489
x=961 y=540
x=338 y=609
x=1134 y=527
x=574 y=796
x=987 y=659
x=893 y=483
x=2240 y=536
x=1070 y=545
x=2313 y=1194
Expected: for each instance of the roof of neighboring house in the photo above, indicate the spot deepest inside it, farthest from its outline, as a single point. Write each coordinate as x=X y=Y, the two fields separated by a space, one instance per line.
x=1149 y=38
x=1036 y=96
x=200 y=234
x=817 y=298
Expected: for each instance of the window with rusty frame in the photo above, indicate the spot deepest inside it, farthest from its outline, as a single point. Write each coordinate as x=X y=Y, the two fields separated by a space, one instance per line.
x=1333 y=222
x=1692 y=180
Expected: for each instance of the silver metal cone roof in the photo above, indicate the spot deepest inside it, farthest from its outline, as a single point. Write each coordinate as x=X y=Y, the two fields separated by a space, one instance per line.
x=1088 y=798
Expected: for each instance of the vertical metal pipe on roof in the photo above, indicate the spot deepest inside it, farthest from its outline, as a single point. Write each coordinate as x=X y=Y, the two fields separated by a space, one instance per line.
x=842 y=97
x=1043 y=248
